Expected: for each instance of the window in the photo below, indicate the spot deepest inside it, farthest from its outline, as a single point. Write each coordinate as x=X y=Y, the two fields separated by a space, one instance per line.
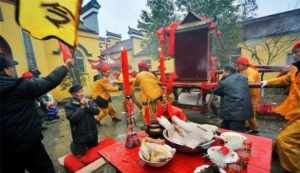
x=290 y=59
x=79 y=62
x=1 y=16
x=236 y=53
x=29 y=51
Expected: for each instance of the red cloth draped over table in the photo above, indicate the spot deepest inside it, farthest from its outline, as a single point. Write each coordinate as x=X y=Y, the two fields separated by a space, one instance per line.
x=128 y=161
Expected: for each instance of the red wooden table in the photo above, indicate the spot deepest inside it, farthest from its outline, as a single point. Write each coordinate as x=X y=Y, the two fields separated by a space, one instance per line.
x=128 y=161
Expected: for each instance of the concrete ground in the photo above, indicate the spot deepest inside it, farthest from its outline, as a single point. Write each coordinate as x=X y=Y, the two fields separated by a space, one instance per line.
x=57 y=137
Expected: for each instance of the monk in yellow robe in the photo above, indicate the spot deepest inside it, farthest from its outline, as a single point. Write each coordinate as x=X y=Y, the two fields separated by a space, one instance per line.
x=150 y=88
x=101 y=95
x=252 y=74
x=288 y=140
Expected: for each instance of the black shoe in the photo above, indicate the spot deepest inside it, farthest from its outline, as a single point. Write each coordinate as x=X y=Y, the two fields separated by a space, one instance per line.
x=115 y=119
x=44 y=127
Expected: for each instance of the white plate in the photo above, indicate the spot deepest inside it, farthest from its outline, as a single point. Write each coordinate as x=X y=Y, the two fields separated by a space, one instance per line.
x=233 y=140
x=201 y=168
x=214 y=152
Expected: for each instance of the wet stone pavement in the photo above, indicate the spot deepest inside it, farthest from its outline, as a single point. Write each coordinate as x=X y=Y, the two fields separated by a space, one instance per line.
x=57 y=136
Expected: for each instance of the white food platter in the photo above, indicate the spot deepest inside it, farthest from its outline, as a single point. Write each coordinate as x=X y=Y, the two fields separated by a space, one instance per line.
x=201 y=168
x=233 y=140
x=216 y=157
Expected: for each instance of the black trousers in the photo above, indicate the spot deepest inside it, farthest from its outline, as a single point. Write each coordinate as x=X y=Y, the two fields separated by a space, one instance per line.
x=234 y=125
x=34 y=160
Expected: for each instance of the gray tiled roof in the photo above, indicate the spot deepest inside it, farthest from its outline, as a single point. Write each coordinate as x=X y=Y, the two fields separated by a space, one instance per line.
x=134 y=31
x=113 y=34
x=276 y=24
x=89 y=5
x=117 y=47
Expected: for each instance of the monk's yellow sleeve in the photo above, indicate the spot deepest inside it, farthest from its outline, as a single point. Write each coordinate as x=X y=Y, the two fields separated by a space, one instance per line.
x=110 y=88
x=253 y=77
x=280 y=81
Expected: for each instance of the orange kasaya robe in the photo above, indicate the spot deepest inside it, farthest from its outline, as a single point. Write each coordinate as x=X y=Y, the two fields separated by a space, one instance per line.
x=290 y=108
x=102 y=88
x=253 y=77
x=288 y=140
x=150 y=88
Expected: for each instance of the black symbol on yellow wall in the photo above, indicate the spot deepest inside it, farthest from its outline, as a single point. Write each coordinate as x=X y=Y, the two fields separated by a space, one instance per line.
x=58 y=15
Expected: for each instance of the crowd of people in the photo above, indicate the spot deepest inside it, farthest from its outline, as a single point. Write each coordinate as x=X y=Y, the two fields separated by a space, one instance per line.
x=21 y=126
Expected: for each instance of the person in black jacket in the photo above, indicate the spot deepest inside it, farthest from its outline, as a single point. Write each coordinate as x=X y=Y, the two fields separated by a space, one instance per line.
x=235 y=105
x=81 y=113
x=20 y=123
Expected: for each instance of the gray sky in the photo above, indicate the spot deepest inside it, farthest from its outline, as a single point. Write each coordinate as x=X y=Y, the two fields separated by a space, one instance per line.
x=117 y=15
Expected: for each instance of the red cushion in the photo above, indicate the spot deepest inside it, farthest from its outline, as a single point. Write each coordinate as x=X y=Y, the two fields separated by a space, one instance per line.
x=93 y=153
x=72 y=163
x=90 y=156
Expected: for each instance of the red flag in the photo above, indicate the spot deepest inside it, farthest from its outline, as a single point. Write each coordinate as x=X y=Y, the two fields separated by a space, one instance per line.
x=65 y=51
x=172 y=30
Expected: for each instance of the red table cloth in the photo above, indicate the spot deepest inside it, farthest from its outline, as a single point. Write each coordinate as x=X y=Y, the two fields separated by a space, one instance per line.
x=128 y=161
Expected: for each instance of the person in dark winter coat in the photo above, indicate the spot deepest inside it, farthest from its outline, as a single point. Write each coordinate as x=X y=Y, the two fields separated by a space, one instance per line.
x=20 y=123
x=235 y=106
x=81 y=113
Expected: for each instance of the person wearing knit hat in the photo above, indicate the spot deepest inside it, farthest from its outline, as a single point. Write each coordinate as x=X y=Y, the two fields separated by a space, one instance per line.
x=81 y=111
x=7 y=65
x=244 y=67
x=21 y=126
x=235 y=106
x=101 y=94
x=288 y=139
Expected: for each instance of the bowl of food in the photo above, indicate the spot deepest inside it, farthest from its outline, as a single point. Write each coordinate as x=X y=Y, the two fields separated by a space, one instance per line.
x=155 y=153
x=154 y=130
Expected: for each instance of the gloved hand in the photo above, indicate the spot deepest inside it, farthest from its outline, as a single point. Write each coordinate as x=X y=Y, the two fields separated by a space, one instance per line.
x=264 y=84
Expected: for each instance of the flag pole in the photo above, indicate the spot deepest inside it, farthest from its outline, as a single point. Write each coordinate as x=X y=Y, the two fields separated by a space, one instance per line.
x=73 y=50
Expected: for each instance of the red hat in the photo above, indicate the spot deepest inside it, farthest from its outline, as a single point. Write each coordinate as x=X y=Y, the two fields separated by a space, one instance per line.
x=242 y=61
x=27 y=75
x=104 y=68
x=296 y=46
x=143 y=65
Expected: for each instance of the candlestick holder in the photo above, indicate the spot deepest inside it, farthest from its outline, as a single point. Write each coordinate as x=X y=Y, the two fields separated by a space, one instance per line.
x=132 y=139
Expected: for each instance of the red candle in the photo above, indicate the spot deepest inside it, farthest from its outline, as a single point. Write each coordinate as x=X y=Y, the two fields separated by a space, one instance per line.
x=125 y=72
x=162 y=66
